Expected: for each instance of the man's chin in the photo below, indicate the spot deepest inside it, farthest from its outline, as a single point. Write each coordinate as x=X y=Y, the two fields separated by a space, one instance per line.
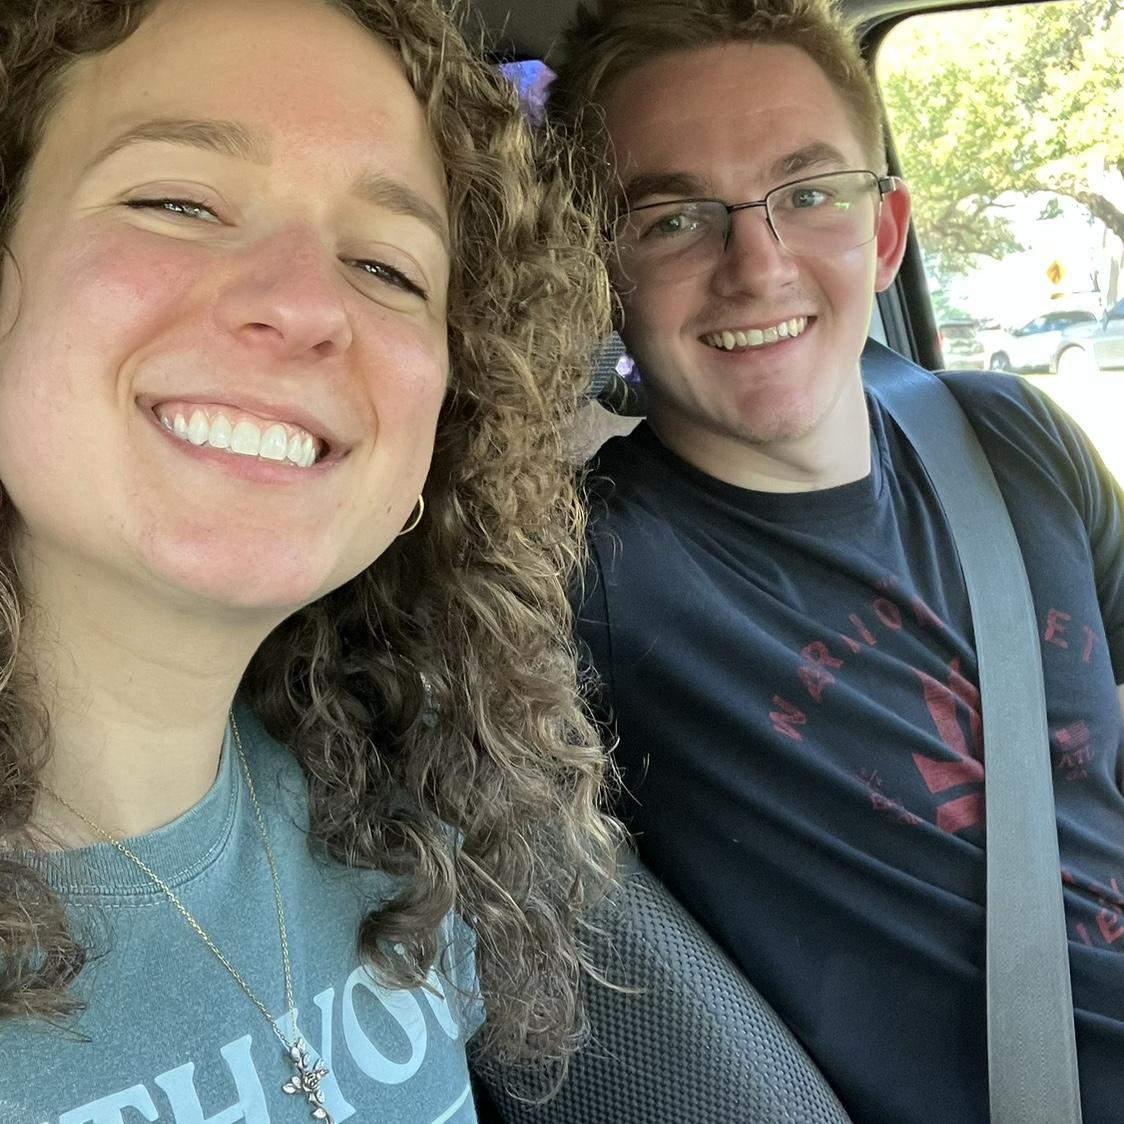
x=769 y=423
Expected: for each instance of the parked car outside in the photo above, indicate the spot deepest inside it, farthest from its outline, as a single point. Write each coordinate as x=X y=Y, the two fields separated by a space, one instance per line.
x=961 y=346
x=1086 y=348
x=1033 y=346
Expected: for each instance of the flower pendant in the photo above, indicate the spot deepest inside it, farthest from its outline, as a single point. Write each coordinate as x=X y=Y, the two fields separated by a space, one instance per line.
x=308 y=1080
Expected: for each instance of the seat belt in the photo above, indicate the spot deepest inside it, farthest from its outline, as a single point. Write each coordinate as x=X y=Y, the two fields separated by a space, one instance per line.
x=1031 y=1047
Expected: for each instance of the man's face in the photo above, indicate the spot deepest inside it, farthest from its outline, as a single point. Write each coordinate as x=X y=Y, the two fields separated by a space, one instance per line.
x=732 y=123
x=233 y=236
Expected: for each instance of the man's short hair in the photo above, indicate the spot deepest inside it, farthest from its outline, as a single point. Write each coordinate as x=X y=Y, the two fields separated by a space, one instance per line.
x=610 y=38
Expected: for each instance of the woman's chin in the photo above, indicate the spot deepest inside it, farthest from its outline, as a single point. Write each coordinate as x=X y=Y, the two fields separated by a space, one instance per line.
x=273 y=583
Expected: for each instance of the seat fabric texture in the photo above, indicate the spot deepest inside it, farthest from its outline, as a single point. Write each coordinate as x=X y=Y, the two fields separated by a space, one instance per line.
x=682 y=1038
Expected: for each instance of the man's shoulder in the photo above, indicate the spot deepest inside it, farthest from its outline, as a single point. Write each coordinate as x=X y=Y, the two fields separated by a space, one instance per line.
x=1012 y=418
x=1039 y=454
x=631 y=455
x=630 y=476
x=637 y=499
x=986 y=391
x=1009 y=413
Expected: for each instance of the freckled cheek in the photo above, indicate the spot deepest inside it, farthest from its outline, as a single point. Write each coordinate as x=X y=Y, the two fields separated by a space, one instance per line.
x=78 y=310
x=406 y=370
x=132 y=284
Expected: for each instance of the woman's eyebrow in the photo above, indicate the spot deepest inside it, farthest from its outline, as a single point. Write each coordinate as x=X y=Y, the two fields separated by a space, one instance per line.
x=393 y=195
x=230 y=138
x=226 y=137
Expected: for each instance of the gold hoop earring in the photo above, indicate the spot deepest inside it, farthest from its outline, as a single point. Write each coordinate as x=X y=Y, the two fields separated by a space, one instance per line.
x=416 y=519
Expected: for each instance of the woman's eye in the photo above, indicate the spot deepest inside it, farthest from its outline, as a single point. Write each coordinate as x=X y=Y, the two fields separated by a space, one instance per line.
x=395 y=278
x=187 y=208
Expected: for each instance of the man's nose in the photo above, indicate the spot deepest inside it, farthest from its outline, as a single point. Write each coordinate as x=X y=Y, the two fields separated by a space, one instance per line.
x=287 y=299
x=754 y=259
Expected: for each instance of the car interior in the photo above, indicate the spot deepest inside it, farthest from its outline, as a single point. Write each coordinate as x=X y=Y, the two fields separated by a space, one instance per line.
x=681 y=1035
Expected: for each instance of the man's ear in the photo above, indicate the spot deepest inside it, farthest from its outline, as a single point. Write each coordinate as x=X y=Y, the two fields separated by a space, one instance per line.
x=893 y=226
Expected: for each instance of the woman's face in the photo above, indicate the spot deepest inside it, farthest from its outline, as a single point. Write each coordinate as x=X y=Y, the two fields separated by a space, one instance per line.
x=235 y=227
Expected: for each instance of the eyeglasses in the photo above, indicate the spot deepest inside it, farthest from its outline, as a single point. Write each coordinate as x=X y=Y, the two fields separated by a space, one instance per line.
x=818 y=215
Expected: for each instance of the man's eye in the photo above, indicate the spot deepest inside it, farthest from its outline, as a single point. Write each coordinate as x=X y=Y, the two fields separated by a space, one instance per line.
x=673 y=225
x=187 y=208
x=395 y=278
x=805 y=197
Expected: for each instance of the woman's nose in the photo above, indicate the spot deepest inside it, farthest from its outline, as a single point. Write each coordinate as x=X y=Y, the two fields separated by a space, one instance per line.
x=285 y=298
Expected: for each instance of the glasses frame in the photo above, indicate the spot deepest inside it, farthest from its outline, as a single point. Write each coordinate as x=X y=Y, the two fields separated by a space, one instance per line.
x=884 y=184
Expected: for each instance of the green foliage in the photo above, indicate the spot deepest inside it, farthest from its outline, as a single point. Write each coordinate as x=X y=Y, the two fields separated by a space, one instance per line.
x=1015 y=99
x=945 y=309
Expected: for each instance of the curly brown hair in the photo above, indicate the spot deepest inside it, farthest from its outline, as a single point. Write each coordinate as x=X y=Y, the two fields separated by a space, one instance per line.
x=609 y=38
x=434 y=697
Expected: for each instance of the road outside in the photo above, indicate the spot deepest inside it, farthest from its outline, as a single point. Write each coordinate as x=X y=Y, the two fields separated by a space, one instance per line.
x=1097 y=405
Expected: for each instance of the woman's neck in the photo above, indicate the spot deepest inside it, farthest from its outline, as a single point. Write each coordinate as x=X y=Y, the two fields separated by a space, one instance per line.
x=137 y=689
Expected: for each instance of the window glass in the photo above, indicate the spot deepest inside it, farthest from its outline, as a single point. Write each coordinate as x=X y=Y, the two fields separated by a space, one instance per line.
x=1007 y=122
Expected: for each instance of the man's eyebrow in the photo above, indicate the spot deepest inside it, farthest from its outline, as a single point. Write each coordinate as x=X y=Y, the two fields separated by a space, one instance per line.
x=683 y=185
x=678 y=185
x=226 y=137
x=809 y=158
x=393 y=195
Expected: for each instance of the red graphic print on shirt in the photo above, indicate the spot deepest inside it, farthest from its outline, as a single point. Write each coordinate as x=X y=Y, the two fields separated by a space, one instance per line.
x=1072 y=751
x=945 y=703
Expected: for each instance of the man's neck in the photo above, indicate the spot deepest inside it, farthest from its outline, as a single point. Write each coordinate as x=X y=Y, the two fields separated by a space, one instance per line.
x=137 y=691
x=834 y=452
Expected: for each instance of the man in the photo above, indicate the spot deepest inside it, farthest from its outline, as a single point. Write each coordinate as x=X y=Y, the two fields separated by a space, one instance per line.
x=775 y=609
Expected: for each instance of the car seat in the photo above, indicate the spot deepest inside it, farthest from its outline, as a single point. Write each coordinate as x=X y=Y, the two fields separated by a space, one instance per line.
x=684 y=1040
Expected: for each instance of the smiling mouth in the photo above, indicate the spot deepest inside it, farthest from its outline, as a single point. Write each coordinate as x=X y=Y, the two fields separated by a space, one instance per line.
x=235 y=432
x=745 y=338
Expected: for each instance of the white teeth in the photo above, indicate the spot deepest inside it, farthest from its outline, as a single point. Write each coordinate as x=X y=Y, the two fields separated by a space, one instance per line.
x=198 y=428
x=274 y=442
x=220 y=433
x=244 y=438
x=755 y=337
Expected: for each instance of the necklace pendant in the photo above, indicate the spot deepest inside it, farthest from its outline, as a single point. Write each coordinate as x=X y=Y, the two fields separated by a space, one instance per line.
x=308 y=1080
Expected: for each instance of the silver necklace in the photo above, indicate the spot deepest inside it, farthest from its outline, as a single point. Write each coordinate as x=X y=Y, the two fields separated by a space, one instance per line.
x=308 y=1076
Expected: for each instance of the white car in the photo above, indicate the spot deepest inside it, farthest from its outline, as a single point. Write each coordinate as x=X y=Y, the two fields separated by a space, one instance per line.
x=1033 y=346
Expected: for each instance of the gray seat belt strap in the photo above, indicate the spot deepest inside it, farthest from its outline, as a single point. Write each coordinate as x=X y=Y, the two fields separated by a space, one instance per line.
x=1032 y=1053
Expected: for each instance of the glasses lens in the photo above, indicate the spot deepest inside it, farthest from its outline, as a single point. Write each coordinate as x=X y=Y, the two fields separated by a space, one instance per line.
x=827 y=214
x=670 y=239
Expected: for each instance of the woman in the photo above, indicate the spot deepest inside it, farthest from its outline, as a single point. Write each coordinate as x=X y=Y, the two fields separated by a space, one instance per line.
x=290 y=330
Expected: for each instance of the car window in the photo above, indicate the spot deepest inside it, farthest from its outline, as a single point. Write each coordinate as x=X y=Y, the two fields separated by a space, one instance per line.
x=1006 y=122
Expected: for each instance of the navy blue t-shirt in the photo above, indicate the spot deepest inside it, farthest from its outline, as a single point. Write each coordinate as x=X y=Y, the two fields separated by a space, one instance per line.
x=793 y=682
